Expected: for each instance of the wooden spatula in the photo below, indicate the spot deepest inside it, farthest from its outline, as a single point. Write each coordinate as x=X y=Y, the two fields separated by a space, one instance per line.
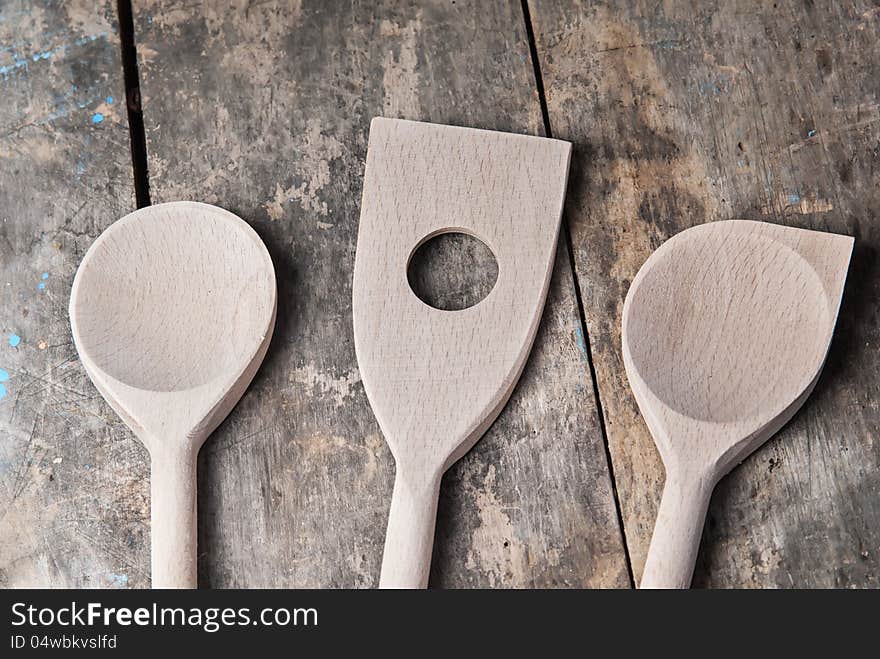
x=436 y=380
x=725 y=331
x=172 y=310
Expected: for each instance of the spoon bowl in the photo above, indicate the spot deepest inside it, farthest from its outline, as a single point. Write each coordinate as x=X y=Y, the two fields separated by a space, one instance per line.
x=686 y=328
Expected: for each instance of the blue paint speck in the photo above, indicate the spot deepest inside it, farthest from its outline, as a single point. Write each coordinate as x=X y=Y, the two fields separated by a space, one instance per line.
x=710 y=87
x=109 y=100
x=4 y=375
x=581 y=344
x=46 y=54
x=2 y=392
x=41 y=286
x=97 y=118
x=94 y=37
x=794 y=198
x=80 y=168
x=11 y=68
x=118 y=580
x=811 y=132
x=44 y=276
x=14 y=340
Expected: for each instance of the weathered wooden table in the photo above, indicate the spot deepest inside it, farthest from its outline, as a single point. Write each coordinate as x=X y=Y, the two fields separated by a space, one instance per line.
x=680 y=113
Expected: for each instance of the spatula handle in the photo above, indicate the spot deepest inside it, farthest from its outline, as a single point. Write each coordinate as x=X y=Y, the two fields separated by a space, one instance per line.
x=409 y=539
x=173 y=519
x=676 y=539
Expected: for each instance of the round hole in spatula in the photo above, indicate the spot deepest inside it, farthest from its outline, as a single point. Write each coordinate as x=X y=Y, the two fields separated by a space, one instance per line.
x=452 y=271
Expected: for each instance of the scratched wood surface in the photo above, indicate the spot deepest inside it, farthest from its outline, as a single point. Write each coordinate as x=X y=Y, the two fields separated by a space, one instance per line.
x=265 y=109
x=682 y=113
x=73 y=492
x=679 y=113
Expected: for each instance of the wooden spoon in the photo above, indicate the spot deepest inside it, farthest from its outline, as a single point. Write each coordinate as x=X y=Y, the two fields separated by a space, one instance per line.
x=436 y=380
x=725 y=331
x=172 y=310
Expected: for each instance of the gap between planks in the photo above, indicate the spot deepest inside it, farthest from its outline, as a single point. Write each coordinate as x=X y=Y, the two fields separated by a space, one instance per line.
x=566 y=234
x=137 y=134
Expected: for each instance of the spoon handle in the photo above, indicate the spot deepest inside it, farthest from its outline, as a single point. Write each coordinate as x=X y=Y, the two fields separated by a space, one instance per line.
x=173 y=519
x=409 y=539
x=676 y=539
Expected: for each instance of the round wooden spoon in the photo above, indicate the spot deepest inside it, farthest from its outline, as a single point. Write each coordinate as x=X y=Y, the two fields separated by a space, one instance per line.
x=725 y=331
x=172 y=310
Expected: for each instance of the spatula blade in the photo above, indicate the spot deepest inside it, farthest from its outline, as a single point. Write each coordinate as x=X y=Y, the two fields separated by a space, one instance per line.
x=437 y=379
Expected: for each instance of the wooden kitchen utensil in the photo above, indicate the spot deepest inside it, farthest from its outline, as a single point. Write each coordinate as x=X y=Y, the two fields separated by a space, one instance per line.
x=172 y=310
x=436 y=380
x=725 y=331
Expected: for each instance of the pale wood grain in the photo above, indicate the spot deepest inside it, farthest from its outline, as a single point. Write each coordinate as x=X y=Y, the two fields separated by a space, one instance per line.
x=436 y=380
x=724 y=333
x=266 y=111
x=682 y=113
x=172 y=311
x=65 y=175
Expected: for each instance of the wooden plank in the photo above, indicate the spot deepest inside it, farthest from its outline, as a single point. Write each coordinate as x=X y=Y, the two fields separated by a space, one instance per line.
x=685 y=113
x=76 y=510
x=265 y=110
